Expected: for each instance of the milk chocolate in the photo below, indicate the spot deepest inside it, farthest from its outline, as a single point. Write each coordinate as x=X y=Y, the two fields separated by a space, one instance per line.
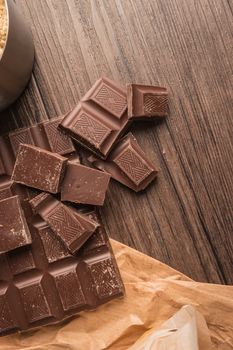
x=71 y=227
x=14 y=232
x=128 y=164
x=43 y=283
x=146 y=102
x=38 y=168
x=100 y=119
x=45 y=135
x=84 y=185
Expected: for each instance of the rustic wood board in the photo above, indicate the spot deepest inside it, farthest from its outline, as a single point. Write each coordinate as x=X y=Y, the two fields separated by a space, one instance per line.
x=185 y=218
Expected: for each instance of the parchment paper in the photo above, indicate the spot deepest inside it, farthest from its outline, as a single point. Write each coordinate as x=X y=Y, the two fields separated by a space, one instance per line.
x=154 y=293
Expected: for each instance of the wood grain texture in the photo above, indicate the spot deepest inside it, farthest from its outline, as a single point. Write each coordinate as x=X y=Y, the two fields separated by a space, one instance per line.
x=185 y=219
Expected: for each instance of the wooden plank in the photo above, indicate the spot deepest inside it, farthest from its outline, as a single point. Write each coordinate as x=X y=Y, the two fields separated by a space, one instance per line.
x=185 y=218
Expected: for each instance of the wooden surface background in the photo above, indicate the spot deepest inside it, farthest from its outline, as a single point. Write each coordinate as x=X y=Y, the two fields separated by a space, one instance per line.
x=185 y=218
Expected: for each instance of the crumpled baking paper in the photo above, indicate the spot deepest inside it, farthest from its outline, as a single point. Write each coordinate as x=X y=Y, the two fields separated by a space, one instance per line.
x=154 y=293
x=187 y=329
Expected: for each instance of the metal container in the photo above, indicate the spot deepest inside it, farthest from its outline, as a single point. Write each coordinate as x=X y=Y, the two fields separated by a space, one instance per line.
x=17 y=58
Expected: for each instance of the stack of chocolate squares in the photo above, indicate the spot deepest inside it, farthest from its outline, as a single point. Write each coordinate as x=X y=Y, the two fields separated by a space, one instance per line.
x=55 y=257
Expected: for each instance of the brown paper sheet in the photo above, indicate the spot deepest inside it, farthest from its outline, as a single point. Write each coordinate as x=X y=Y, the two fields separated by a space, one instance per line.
x=187 y=329
x=154 y=293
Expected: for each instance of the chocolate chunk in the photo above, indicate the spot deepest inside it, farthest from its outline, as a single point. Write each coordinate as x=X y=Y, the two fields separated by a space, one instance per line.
x=84 y=185
x=109 y=96
x=70 y=226
x=58 y=141
x=145 y=102
x=128 y=164
x=45 y=135
x=14 y=232
x=100 y=119
x=6 y=156
x=9 y=188
x=38 y=168
x=21 y=136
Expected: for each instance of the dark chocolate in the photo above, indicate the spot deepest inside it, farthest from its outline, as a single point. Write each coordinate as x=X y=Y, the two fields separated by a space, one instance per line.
x=84 y=185
x=39 y=168
x=71 y=227
x=14 y=232
x=146 y=102
x=100 y=119
x=44 y=284
x=128 y=164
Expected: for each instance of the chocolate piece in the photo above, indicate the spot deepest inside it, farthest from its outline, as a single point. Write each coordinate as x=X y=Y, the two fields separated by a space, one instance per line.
x=84 y=185
x=6 y=156
x=128 y=164
x=45 y=135
x=108 y=95
x=43 y=284
x=9 y=188
x=146 y=101
x=58 y=141
x=100 y=119
x=38 y=168
x=71 y=227
x=14 y=232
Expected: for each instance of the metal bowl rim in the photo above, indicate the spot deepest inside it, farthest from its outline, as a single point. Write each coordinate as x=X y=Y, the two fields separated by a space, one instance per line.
x=8 y=26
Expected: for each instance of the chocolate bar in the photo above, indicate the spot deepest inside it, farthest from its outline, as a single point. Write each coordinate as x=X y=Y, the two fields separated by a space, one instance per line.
x=14 y=232
x=145 y=101
x=38 y=168
x=100 y=119
x=72 y=228
x=128 y=164
x=44 y=284
x=84 y=185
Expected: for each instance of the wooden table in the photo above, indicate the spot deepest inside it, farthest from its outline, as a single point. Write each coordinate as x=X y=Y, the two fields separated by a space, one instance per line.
x=185 y=218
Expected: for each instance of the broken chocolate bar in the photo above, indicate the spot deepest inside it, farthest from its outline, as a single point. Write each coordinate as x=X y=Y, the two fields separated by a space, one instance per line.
x=100 y=119
x=38 y=168
x=128 y=164
x=14 y=232
x=84 y=185
x=71 y=227
x=43 y=283
x=145 y=101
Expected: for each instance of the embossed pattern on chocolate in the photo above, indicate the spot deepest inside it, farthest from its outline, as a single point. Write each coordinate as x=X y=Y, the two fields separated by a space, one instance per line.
x=128 y=164
x=90 y=129
x=100 y=118
x=72 y=228
x=109 y=97
x=146 y=102
x=58 y=141
x=45 y=135
x=156 y=104
x=133 y=166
